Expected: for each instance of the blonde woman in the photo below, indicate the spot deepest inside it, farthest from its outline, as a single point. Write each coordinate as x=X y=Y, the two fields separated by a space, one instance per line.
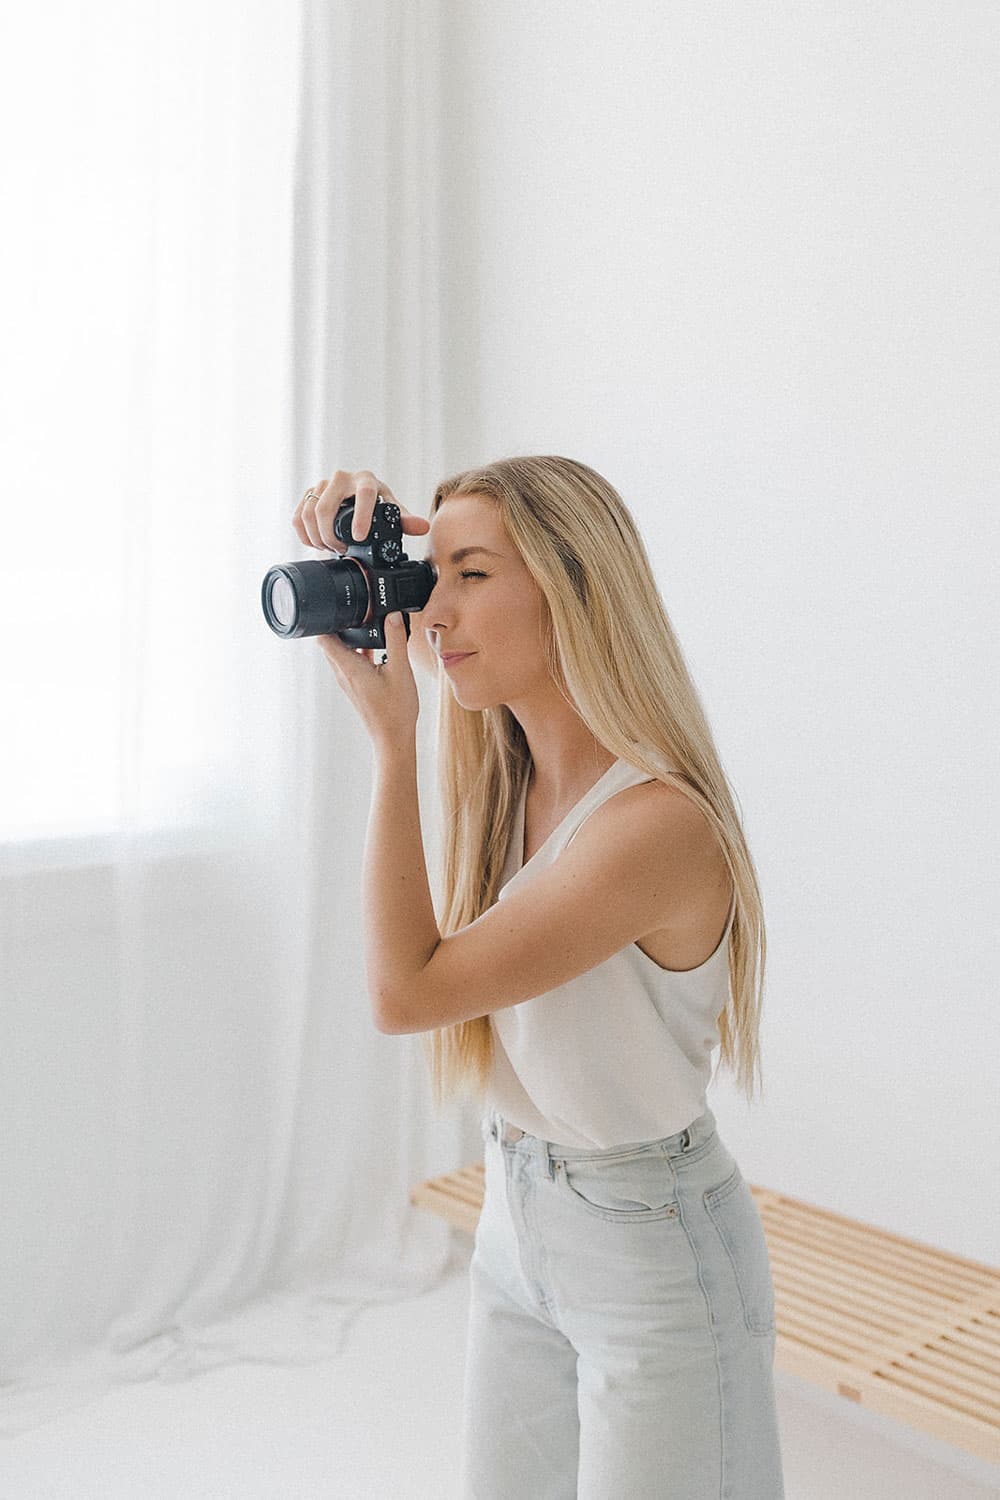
x=602 y=931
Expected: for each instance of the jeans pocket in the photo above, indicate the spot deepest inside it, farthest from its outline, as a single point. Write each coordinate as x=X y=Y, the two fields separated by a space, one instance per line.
x=633 y=1189
x=737 y=1220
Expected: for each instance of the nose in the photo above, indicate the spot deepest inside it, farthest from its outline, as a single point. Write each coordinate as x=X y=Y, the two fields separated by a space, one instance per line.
x=438 y=612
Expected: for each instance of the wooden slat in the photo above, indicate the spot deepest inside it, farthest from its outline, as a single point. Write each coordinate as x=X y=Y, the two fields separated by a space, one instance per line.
x=892 y=1324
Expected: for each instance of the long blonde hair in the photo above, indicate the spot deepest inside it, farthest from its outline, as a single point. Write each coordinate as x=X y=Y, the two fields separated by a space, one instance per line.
x=612 y=652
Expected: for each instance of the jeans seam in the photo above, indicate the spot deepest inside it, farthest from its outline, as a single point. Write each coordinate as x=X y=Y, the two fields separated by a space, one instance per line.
x=712 y=1200
x=715 y=1343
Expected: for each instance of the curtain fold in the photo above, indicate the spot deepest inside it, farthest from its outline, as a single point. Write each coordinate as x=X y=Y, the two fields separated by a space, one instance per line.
x=209 y=1147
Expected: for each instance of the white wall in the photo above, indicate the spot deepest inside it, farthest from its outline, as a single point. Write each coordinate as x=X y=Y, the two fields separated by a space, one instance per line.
x=742 y=260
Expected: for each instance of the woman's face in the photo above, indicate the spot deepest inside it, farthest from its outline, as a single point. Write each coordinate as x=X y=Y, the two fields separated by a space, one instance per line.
x=486 y=603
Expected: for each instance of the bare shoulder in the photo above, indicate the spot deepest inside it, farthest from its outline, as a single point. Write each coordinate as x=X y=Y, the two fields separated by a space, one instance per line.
x=656 y=805
x=667 y=840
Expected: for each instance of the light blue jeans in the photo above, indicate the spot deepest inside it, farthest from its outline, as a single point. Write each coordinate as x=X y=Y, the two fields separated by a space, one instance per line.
x=621 y=1325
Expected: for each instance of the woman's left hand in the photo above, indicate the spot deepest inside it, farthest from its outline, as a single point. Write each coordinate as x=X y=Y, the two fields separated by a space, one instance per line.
x=385 y=696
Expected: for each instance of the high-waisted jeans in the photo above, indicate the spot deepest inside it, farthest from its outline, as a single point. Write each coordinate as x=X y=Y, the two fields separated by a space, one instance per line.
x=621 y=1325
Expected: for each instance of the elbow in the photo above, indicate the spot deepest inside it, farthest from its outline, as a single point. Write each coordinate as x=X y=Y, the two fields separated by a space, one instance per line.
x=399 y=1016
x=396 y=1020
x=386 y=1016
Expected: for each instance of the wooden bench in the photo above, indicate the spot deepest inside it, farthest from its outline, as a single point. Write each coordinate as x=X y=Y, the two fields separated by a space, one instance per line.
x=888 y=1322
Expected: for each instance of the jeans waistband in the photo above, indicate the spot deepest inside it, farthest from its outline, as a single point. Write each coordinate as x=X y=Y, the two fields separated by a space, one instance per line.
x=678 y=1144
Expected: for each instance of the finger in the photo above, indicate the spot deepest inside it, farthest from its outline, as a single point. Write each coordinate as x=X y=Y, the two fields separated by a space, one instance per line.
x=387 y=494
x=338 y=654
x=414 y=525
x=396 y=640
x=410 y=522
x=365 y=495
x=298 y=517
x=394 y=627
x=335 y=492
x=307 y=513
x=299 y=529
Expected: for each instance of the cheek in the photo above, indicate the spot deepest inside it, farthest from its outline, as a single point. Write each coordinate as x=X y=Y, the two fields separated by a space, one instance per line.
x=520 y=625
x=514 y=649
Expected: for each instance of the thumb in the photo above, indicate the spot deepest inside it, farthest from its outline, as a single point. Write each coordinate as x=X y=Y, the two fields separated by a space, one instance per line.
x=396 y=632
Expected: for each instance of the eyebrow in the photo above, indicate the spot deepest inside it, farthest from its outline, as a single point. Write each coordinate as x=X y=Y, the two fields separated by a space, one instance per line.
x=464 y=552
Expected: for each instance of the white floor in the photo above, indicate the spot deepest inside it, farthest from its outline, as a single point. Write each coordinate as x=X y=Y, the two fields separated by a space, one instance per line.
x=254 y=1432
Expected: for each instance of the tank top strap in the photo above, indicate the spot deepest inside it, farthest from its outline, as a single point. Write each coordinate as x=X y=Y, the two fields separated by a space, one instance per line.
x=615 y=779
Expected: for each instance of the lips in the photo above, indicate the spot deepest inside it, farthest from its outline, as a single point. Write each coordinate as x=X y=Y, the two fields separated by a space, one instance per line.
x=453 y=656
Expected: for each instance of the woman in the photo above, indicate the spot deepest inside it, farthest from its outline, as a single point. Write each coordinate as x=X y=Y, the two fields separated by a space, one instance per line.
x=602 y=932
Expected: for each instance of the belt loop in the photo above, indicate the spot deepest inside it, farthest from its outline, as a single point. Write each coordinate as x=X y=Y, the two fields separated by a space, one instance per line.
x=685 y=1139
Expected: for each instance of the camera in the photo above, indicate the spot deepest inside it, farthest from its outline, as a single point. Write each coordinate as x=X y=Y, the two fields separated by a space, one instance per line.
x=350 y=595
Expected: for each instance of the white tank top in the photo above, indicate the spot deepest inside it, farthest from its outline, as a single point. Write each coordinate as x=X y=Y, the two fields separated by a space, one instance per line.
x=621 y=1054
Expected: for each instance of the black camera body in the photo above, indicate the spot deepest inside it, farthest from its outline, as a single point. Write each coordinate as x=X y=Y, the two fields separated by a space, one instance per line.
x=351 y=594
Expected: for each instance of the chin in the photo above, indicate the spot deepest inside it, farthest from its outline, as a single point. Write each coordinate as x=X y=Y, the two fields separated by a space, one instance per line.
x=474 y=702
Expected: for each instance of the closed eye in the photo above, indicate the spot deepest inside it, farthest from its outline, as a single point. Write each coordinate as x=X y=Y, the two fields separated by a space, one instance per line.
x=472 y=573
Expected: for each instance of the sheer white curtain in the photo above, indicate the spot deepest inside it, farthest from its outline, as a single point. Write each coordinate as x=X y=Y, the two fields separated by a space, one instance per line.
x=220 y=285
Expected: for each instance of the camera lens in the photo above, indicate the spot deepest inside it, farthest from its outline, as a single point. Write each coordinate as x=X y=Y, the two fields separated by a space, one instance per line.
x=283 y=606
x=315 y=598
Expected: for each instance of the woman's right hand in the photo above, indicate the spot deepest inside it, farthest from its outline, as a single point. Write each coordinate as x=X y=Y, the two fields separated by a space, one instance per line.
x=316 y=511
